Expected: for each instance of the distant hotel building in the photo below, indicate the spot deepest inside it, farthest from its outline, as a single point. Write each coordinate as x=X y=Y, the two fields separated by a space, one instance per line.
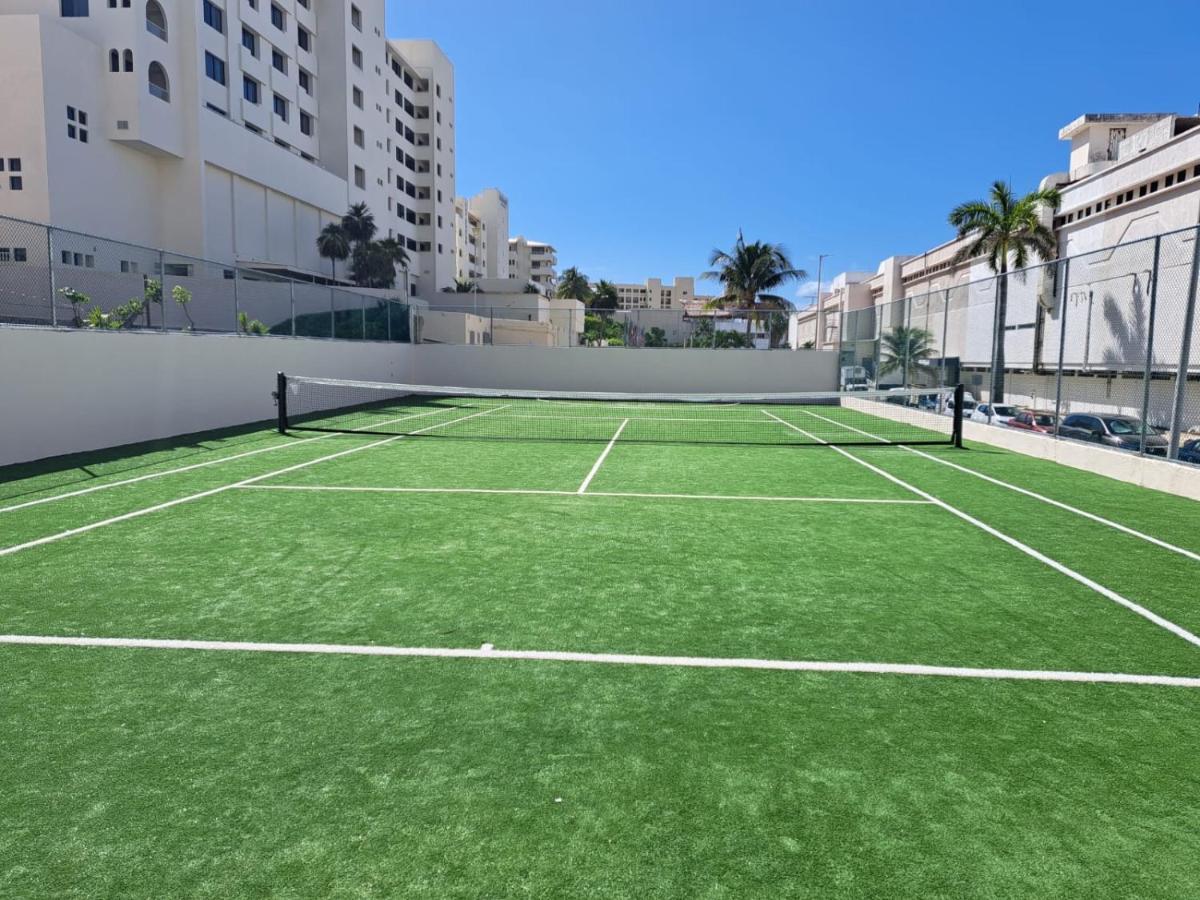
x=653 y=294
x=228 y=130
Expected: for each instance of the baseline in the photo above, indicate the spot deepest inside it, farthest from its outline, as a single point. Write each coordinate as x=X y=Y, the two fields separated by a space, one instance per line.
x=1125 y=529
x=489 y=652
x=71 y=532
x=1177 y=630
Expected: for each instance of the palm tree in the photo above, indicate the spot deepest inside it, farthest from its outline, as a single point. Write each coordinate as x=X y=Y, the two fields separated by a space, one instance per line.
x=464 y=286
x=333 y=244
x=359 y=223
x=604 y=295
x=903 y=349
x=748 y=272
x=1004 y=228
x=573 y=285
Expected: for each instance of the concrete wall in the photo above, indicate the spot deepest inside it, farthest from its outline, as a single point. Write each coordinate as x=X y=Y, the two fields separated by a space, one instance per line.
x=68 y=391
x=618 y=369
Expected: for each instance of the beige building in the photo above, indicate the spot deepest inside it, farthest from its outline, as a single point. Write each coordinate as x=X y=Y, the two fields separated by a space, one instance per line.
x=653 y=294
x=228 y=130
x=533 y=261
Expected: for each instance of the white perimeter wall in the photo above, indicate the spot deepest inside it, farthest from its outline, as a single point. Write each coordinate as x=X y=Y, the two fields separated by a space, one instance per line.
x=67 y=391
x=621 y=369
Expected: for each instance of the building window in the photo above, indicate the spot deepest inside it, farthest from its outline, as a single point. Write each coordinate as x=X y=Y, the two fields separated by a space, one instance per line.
x=156 y=19
x=214 y=16
x=306 y=126
x=214 y=108
x=77 y=125
x=359 y=137
x=356 y=57
x=128 y=57
x=278 y=60
x=305 y=82
x=281 y=108
x=15 y=183
x=159 y=86
x=114 y=60
x=250 y=41
x=303 y=3
x=357 y=94
x=250 y=90
x=277 y=18
x=360 y=177
x=73 y=9
x=214 y=68
x=304 y=39
x=356 y=17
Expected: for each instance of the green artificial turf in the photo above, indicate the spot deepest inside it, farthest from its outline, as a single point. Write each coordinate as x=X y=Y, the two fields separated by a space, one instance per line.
x=169 y=773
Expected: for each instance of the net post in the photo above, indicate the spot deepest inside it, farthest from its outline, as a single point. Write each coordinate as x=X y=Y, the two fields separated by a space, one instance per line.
x=959 y=393
x=281 y=401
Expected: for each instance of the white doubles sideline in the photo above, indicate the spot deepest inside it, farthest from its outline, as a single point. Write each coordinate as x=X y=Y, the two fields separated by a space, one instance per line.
x=603 y=456
x=189 y=468
x=488 y=652
x=71 y=532
x=1100 y=589
x=1020 y=490
x=355 y=489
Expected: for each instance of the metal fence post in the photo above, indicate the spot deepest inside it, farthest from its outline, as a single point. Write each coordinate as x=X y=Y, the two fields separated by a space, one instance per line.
x=389 y=320
x=292 y=304
x=364 y=319
x=908 y=305
x=1148 y=370
x=50 y=270
x=1185 y=352
x=332 y=313
x=945 y=336
x=236 y=303
x=1062 y=340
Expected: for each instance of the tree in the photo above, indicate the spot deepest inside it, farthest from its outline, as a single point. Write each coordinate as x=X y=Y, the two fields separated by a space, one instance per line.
x=604 y=295
x=903 y=350
x=655 y=337
x=573 y=285
x=748 y=272
x=464 y=286
x=359 y=223
x=395 y=249
x=1003 y=228
x=372 y=266
x=333 y=244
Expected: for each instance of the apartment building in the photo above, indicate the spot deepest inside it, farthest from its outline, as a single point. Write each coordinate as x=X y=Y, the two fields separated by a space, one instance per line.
x=228 y=129
x=470 y=242
x=654 y=294
x=533 y=261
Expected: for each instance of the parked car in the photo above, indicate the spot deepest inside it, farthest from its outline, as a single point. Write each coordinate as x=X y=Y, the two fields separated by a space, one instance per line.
x=1189 y=451
x=968 y=406
x=1033 y=420
x=997 y=414
x=1122 y=432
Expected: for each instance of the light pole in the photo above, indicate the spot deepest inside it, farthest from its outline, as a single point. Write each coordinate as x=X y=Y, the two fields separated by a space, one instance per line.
x=820 y=306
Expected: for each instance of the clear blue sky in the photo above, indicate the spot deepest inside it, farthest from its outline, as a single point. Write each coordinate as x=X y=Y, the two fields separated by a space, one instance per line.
x=636 y=136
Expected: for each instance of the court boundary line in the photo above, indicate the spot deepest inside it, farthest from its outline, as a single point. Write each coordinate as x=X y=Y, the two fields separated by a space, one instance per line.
x=603 y=456
x=336 y=488
x=489 y=652
x=1133 y=532
x=124 y=517
x=1162 y=622
x=188 y=468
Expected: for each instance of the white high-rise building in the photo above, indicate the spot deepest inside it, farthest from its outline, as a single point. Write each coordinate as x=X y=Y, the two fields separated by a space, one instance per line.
x=481 y=236
x=227 y=129
x=653 y=294
x=532 y=261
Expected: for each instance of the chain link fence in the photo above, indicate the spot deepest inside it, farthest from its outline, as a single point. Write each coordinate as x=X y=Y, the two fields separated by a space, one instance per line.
x=51 y=276
x=1101 y=347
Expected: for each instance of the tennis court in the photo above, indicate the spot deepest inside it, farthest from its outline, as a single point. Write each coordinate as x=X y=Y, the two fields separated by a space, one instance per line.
x=531 y=645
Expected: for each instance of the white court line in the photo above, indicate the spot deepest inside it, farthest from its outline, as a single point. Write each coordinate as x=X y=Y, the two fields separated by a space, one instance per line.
x=538 y=492
x=71 y=532
x=1026 y=492
x=604 y=455
x=189 y=468
x=1100 y=589
x=488 y=652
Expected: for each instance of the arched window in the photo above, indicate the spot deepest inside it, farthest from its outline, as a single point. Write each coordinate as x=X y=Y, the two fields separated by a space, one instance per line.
x=156 y=19
x=159 y=87
x=128 y=60
x=114 y=61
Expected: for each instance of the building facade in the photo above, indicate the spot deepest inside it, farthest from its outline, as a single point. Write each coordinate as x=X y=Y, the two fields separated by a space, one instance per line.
x=533 y=261
x=653 y=294
x=228 y=129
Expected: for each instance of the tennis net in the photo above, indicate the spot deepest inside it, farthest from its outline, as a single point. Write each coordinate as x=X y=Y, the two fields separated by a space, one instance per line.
x=917 y=416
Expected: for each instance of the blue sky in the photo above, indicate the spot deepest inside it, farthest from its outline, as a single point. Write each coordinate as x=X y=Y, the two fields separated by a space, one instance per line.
x=636 y=136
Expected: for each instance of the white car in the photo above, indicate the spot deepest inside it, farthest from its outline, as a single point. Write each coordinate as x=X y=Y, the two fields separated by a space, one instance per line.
x=968 y=406
x=997 y=414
